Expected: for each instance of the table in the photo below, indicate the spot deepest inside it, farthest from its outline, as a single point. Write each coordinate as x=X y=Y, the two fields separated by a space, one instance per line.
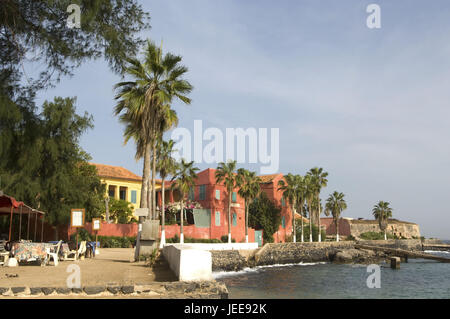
x=30 y=251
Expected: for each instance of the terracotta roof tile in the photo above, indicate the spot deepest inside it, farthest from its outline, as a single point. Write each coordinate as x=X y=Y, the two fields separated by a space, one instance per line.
x=109 y=171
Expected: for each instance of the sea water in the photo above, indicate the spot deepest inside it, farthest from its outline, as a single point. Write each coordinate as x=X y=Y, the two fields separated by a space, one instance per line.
x=418 y=278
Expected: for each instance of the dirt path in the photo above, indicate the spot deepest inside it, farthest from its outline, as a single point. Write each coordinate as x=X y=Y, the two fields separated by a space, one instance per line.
x=111 y=267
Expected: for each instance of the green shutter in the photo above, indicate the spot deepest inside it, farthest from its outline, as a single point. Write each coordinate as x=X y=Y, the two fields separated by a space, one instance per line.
x=283 y=203
x=217 y=218
x=202 y=191
x=191 y=195
x=202 y=218
x=283 y=222
x=234 y=197
x=234 y=219
x=133 y=197
x=217 y=194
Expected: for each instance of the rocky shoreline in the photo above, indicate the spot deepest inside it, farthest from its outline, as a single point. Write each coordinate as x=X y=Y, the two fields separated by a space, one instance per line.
x=287 y=253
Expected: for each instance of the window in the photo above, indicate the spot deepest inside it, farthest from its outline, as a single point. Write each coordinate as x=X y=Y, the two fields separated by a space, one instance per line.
x=191 y=194
x=234 y=219
x=123 y=193
x=112 y=191
x=283 y=202
x=133 y=197
x=234 y=197
x=217 y=218
x=217 y=194
x=202 y=192
x=283 y=222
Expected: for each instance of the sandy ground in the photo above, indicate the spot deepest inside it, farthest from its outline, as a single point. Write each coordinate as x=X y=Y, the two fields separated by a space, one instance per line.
x=112 y=266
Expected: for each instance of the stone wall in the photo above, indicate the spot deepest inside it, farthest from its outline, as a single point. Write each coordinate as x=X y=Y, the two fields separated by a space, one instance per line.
x=398 y=228
x=407 y=244
x=227 y=260
x=286 y=253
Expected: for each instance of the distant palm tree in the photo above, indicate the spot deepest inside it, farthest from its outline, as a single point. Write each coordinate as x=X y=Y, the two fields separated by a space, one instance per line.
x=335 y=205
x=156 y=82
x=301 y=199
x=249 y=189
x=184 y=179
x=382 y=212
x=226 y=173
x=310 y=192
x=166 y=166
x=290 y=188
x=320 y=178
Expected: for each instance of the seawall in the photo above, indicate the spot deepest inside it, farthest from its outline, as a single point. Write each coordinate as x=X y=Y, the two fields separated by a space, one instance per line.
x=287 y=253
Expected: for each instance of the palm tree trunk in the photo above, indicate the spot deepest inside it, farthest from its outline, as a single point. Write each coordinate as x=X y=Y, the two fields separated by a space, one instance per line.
x=337 y=229
x=144 y=188
x=301 y=213
x=246 y=221
x=310 y=227
x=154 y=181
x=229 y=216
x=182 y=222
x=318 y=220
x=294 y=233
x=163 y=216
x=385 y=236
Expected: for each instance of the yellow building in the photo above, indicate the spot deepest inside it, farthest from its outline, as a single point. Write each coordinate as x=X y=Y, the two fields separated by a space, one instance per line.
x=121 y=183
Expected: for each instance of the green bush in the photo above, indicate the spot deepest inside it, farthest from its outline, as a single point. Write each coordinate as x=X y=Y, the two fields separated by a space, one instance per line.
x=376 y=236
x=224 y=239
x=175 y=239
x=315 y=232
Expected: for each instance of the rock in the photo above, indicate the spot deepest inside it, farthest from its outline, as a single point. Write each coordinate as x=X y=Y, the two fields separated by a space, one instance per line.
x=77 y=290
x=47 y=290
x=3 y=290
x=227 y=260
x=63 y=291
x=94 y=290
x=127 y=289
x=113 y=289
x=35 y=290
x=17 y=290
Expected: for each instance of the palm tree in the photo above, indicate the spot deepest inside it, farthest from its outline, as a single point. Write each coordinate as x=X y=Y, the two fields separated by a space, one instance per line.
x=143 y=103
x=249 y=189
x=184 y=179
x=301 y=198
x=290 y=188
x=310 y=191
x=226 y=173
x=382 y=212
x=166 y=166
x=320 y=178
x=335 y=205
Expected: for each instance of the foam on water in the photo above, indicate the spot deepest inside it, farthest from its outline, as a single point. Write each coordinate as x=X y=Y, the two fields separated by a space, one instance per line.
x=221 y=274
x=436 y=252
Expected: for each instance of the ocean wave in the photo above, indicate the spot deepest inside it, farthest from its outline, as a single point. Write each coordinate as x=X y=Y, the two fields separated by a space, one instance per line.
x=436 y=251
x=221 y=274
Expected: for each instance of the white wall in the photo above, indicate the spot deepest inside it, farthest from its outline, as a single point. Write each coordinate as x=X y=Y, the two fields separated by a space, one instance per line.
x=187 y=263
x=224 y=246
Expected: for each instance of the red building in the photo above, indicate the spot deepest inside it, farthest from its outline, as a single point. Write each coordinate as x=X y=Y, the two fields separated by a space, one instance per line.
x=212 y=220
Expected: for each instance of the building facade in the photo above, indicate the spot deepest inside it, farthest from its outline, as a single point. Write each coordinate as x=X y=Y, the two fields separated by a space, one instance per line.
x=121 y=183
x=212 y=220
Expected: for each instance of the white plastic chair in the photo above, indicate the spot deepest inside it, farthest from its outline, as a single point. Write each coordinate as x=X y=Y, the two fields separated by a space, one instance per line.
x=76 y=253
x=54 y=255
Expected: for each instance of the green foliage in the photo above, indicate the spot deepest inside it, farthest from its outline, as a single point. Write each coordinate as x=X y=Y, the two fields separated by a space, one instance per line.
x=376 y=236
x=116 y=242
x=224 y=239
x=43 y=165
x=109 y=28
x=121 y=211
x=306 y=232
x=264 y=214
x=175 y=239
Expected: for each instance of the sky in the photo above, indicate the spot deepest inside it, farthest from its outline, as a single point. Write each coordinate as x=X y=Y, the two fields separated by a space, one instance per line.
x=370 y=106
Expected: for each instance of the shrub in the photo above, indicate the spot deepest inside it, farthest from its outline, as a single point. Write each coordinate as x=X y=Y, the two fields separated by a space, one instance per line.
x=224 y=239
x=315 y=232
x=175 y=239
x=264 y=214
x=376 y=236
